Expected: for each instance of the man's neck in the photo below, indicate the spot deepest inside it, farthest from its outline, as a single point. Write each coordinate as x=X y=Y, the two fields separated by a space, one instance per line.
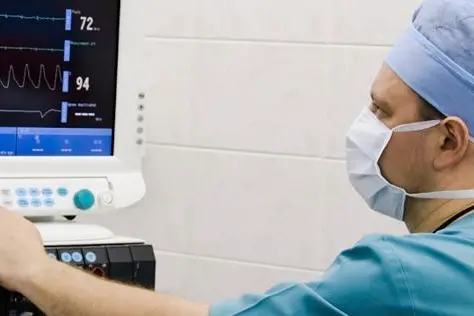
x=425 y=216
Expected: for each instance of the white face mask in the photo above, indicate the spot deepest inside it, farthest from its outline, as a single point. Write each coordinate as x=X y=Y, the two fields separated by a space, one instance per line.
x=365 y=142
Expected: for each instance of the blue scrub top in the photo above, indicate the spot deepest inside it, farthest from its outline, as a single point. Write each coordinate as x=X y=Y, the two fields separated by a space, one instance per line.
x=418 y=274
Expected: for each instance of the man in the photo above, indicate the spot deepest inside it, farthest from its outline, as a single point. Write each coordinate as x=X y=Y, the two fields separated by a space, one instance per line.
x=410 y=156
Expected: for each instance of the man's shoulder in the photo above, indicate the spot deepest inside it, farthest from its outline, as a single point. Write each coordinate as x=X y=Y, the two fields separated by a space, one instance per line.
x=378 y=255
x=381 y=246
x=392 y=262
x=371 y=272
x=379 y=275
x=394 y=252
x=417 y=266
x=392 y=273
x=399 y=246
x=410 y=260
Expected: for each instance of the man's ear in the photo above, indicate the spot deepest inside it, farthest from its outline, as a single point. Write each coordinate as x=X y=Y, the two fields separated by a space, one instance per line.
x=453 y=143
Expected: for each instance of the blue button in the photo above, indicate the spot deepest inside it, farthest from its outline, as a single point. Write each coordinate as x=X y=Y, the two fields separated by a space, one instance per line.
x=52 y=256
x=23 y=203
x=91 y=257
x=77 y=257
x=36 y=203
x=47 y=192
x=66 y=257
x=20 y=192
x=84 y=200
x=49 y=202
x=62 y=192
x=34 y=192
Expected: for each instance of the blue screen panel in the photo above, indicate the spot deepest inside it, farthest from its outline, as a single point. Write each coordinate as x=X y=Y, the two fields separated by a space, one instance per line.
x=58 y=77
x=63 y=142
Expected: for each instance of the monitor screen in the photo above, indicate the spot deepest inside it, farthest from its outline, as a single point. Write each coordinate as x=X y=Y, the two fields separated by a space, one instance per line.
x=58 y=69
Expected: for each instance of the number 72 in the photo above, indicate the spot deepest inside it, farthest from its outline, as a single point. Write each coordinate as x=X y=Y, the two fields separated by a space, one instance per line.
x=86 y=23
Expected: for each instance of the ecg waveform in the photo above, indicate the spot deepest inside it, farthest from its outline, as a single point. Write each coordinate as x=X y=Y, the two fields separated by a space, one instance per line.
x=43 y=114
x=34 y=18
x=27 y=77
x=32 y=49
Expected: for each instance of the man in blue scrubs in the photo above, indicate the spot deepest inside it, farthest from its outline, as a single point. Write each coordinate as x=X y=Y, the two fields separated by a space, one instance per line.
x=410 y=155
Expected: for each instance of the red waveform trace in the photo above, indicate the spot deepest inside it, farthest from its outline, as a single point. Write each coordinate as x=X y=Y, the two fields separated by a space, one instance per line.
x=35 y=82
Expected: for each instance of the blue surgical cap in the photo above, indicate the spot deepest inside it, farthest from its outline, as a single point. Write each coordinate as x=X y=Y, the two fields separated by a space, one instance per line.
x=435 y=57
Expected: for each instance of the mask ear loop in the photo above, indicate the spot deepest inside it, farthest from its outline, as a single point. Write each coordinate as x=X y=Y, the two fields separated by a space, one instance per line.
x=451 y=194
x=417 y=126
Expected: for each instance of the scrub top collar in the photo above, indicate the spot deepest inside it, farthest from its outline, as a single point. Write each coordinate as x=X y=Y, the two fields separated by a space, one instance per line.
x=465 y=221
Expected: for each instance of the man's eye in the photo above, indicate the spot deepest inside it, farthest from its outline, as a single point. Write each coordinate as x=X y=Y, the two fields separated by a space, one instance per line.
x=378 y=110
x=374 y=107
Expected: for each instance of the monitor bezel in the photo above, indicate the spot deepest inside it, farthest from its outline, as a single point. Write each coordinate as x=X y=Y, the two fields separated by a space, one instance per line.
x=128 y=151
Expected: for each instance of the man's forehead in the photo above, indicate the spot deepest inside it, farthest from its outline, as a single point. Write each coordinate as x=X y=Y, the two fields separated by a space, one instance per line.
x=389 y=89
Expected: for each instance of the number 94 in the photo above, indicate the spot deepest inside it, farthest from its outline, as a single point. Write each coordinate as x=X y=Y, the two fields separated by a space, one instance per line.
x=83 y=83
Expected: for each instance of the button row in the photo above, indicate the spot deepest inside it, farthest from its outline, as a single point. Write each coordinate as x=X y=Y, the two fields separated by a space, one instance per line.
x=67 y=257
x=35 y=203
x=35 y=192
x=75 y=257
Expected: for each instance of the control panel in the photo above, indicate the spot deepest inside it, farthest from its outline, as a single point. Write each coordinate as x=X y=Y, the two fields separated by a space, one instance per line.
x=132 y=264
x=42 y=197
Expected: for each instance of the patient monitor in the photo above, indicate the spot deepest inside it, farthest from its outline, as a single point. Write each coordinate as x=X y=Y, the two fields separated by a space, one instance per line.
x=72 y=131
x=71 y=111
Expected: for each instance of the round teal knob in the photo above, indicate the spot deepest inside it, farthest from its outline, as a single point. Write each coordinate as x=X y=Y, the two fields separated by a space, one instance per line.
x=84 y=200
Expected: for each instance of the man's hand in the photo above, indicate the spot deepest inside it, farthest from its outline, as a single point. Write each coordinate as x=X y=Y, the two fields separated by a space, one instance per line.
x=58 y=289
x=22 y=253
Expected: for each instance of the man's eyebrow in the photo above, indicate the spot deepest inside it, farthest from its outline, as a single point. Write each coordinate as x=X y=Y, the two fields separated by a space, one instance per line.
x=373 y=96
x=377 y=99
